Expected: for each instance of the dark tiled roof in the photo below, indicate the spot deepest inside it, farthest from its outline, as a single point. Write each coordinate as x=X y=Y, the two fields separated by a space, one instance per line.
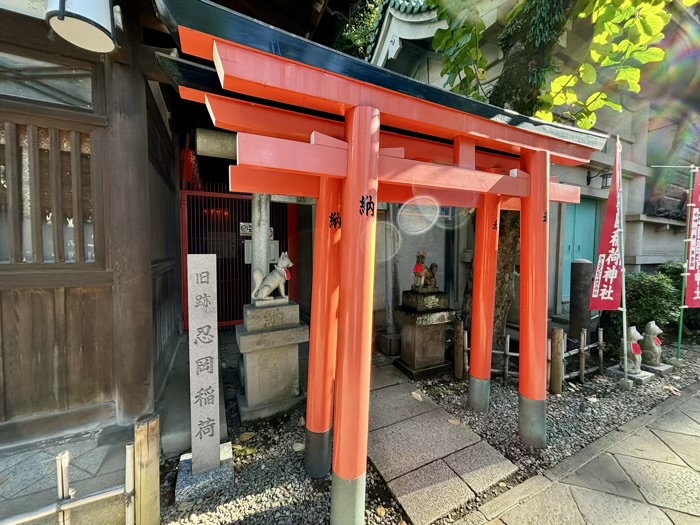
x=404 y=6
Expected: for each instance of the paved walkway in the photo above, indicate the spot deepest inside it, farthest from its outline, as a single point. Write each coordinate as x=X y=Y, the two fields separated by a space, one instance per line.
x=432 y=463
x=97 y=462
x=645 y=473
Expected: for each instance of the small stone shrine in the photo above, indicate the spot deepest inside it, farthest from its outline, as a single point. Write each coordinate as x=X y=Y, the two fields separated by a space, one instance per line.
x=269 y=341
x=425 y=314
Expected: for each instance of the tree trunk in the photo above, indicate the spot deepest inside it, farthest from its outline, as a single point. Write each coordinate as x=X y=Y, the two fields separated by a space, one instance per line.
x=508 y=238
x=527 y=43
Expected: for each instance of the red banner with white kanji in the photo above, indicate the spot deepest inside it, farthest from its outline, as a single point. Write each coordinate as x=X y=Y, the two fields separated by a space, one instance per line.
x=606 y=293
x=692 y=289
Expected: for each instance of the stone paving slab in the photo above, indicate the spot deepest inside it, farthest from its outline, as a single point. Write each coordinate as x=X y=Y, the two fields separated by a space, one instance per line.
x=481 y=466
x=687 y=447
x=17 y=479
x=605 y=475
x=430 y=492
x=605 y=509
x=693 y=414
x=693 y=403
x=383 y=376
x=678 y=518
x=406 y=446
x=646 y=445
x=92 y=461
x=666 y=485
x=49 y=482
x=379 y=359
x=396 y=403
x=677 y=421
x=473 y=518
x=554 y=506
x=7 y=461
x=509 y=499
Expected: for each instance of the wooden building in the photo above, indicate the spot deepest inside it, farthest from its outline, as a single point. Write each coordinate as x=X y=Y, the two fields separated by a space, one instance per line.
x=90 y=224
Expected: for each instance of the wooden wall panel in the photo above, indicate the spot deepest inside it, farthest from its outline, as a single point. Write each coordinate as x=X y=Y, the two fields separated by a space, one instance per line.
x=89 y=345
x=33 y=356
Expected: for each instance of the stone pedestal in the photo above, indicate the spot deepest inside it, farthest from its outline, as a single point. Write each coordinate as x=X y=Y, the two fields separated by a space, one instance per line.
x=660 y=369
x=269 y=341
x=389 y=344
x=189 y=486
x=640 y=379
x=425 y=318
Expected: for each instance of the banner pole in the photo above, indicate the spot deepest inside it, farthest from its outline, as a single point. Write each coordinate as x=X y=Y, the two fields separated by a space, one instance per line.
x=621 y=229
x=684 y=274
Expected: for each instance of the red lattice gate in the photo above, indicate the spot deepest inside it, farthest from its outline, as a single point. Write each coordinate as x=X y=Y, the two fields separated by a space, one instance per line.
x=210 y=222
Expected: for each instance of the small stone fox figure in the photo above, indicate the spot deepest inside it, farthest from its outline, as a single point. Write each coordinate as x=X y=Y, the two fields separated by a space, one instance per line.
x=633 y=353
x=423 y=276
x=276 y=279
x=651 y=344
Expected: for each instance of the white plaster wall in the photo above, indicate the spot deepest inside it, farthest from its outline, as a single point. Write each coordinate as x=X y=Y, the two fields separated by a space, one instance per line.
x=431 y=241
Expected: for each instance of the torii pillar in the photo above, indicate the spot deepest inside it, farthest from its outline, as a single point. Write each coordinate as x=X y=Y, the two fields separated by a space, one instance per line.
x=354 y=358
x=534 y=261
x=323 y=342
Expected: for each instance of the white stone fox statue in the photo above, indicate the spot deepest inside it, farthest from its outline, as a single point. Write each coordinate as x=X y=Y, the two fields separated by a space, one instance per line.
x=633 y=353
x=266 y=284
x=651 y=344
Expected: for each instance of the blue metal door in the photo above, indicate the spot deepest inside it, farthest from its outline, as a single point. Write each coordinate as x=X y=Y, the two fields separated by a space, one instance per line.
x=580 y=240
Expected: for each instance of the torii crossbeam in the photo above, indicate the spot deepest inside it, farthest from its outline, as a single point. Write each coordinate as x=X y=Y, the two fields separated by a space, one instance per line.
x=313 y=122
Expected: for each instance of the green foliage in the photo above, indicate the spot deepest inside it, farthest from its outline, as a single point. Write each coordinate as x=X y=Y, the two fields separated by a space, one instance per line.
x=673 y=270
x=464 y=63
x=361 y=26
x=625 y=35
x=650 y=297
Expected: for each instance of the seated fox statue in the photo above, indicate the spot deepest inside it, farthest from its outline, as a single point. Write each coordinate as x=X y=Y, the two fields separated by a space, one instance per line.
x=276 y=279
x=651 y=344
x=424 y=277
x=633 y=353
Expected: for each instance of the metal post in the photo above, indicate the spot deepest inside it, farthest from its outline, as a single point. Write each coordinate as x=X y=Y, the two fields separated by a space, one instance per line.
x=129 y=509
x=506 y=359
x=582 y=357
x=63 y=485
x=684 y=275
x=621 y=228
x=601 y=348
x=391 y=243
x=260 y=235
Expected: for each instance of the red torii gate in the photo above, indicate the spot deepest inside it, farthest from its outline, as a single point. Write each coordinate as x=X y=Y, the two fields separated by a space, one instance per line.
x=350 y=164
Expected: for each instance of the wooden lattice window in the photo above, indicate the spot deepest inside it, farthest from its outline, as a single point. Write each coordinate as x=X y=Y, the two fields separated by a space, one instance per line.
x=46 y=211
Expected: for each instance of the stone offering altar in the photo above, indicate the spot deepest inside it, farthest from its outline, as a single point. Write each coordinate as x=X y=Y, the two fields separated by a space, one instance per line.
x=425 y=314
x=269 y=341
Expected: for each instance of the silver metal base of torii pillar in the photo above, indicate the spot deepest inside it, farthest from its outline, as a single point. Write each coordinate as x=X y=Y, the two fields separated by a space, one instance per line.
x=532 y=422
x=479 y=393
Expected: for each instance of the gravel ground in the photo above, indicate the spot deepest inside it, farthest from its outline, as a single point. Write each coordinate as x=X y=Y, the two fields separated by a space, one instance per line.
x=271 y=486
x=575 y=418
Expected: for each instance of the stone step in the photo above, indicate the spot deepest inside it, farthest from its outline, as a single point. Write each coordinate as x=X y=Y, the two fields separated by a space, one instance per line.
x=432 y=465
